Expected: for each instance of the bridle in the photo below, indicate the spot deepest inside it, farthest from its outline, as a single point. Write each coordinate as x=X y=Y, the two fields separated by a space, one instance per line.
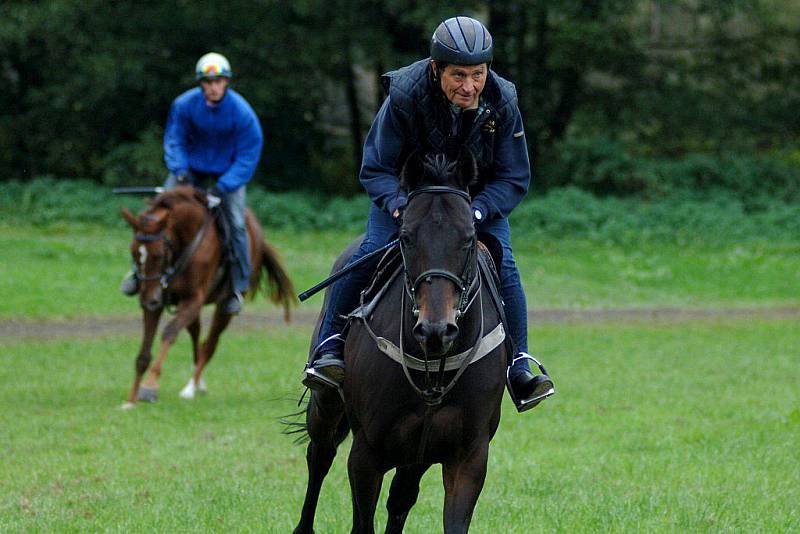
x=469 y=285
x=465 y=282
x=168 y=269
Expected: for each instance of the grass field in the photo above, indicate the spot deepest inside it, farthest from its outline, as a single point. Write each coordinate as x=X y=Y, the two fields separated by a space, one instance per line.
x=69 y=271
x=671 y=428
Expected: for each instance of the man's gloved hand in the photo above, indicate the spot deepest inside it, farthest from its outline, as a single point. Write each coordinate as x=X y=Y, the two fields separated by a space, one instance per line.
x=477 y=215
x=397 y=216
x=182 y=179
x=214 y=197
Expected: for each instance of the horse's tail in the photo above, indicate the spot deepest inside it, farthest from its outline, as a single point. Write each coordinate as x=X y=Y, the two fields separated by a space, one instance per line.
x=278 y=286
x=295 y=425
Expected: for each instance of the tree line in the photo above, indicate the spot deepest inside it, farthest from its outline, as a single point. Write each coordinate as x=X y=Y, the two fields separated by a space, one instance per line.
x=612 y=85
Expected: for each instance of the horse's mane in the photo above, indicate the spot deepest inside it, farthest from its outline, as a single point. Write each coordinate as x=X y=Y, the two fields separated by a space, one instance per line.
x=168 y=199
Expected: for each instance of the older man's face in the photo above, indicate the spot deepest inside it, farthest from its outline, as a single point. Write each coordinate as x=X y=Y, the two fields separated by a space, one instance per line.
x=214 y=89
x=462 y=84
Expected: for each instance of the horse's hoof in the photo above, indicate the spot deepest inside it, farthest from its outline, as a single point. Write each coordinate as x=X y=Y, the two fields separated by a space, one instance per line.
x=147 y=394
x=127 y=405
x=188 y=391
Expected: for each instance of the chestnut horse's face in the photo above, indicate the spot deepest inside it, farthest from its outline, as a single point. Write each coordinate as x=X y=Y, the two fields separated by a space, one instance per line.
x=438 y=244
x=151 y=255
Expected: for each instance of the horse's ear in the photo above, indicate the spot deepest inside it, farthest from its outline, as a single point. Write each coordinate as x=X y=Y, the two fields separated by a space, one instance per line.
x=154 y=221
x=467 y=168
x=130 y=218
x=413 y=171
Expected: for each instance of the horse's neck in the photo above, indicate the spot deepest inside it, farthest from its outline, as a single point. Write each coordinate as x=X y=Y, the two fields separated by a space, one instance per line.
x=186 y=222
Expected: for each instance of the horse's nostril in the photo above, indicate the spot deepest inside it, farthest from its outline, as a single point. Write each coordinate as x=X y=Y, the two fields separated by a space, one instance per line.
x=419 y=332
x=435 y=336
x=450 y=332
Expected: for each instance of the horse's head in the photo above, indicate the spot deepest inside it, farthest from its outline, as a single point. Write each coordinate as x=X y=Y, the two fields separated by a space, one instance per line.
x=438 y=243
x=154 y=242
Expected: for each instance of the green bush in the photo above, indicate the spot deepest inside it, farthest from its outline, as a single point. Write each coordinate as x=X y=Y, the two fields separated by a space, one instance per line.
x=608 y=167
x=564 y=212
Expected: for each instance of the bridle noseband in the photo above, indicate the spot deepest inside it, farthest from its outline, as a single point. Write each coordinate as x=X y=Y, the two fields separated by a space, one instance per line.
x=464 y=282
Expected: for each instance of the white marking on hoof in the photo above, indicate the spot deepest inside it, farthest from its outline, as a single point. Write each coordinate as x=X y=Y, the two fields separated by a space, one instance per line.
x=127 y=405
x=188 y=390
x=201 y=386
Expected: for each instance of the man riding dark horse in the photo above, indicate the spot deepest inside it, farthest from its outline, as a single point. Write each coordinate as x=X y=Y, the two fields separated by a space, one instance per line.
x=439 y=105
x=214 y=136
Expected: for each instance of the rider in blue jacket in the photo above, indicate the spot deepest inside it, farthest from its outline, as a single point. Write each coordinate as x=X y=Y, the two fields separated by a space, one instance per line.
x=213 y=135
x=440 y=104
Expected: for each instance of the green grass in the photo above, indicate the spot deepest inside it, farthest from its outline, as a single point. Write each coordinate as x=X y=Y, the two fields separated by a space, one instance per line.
x=68 y=271
x=656 y=428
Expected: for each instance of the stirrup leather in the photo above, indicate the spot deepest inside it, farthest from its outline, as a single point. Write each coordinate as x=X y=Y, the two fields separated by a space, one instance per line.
x=526 y=404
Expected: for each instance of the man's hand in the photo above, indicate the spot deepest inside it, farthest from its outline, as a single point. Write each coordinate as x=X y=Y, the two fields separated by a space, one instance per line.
x=397 y=217
x=214 y=197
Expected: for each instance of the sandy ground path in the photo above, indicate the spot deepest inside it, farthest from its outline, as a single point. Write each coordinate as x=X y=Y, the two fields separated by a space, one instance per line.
x=12 y=329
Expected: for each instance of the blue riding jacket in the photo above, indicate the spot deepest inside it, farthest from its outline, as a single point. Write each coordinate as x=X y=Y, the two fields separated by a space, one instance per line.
x=417 y=115
x=224 y=139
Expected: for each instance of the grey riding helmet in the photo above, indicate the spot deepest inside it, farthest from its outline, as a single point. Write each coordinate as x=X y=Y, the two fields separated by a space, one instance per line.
x=462 y=41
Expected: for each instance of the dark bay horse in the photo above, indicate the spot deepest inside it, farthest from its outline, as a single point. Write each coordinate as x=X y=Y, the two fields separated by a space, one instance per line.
x=405 y=418
x=176 y=248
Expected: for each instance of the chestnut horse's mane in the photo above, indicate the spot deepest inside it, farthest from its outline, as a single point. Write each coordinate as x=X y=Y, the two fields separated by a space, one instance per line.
x=168 y=199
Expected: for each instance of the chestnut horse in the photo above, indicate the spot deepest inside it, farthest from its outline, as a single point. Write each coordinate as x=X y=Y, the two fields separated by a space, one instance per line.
x=179 y=262
x=404 y=414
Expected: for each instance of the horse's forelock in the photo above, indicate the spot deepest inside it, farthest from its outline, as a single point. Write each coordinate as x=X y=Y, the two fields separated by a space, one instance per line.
x=438 y=170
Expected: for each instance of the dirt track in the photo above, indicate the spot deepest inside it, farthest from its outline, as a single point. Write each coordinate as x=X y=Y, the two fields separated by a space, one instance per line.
x=98 y=327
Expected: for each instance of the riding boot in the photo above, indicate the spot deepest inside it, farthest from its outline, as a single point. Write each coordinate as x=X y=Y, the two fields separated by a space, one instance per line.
x=234 y=303
x=130 y=284
x=326 y=368
x=527 y=389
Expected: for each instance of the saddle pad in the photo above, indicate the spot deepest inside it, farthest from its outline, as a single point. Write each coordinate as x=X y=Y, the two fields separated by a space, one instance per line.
x=490 y=341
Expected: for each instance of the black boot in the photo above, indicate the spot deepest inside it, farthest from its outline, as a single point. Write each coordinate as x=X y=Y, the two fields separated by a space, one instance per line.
x=234 y=304
x=527 y=389
x=326 y=368
x=130 y=284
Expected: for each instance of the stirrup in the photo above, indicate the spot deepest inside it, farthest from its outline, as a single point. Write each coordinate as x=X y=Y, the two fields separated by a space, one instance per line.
x=523 y=405
x=313 y=379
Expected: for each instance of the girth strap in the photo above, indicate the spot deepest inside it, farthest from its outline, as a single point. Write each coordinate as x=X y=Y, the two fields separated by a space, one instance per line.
x=490 y=341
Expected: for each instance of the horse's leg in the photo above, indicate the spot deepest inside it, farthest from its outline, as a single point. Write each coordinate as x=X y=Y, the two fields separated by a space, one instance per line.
x=191 y=387
x=327 y=427
x=150 y=320
x=463 y=481
x=188 y=312
x=363 y=469
x=402 y=495
x=218 y=325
